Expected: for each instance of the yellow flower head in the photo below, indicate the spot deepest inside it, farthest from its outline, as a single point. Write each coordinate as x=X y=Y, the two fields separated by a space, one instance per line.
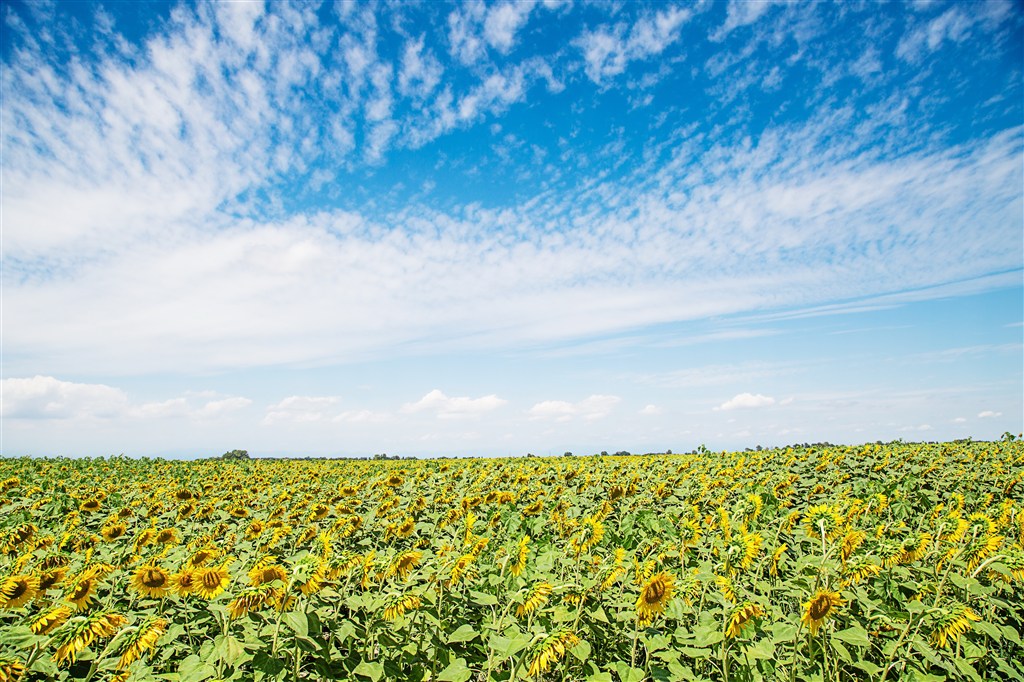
x=742 y=617
x=151 y=581
x=18 y=590
x=656 y=593
x=822 y=605
x=142 y=640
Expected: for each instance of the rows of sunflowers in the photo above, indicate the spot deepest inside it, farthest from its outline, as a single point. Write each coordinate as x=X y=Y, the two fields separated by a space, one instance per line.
x=874 y=562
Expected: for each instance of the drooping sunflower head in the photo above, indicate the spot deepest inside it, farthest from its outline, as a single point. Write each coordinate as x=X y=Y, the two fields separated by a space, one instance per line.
x=818 y=608
x=142 y=640
x=151 y=581
x=551 y=650
x=405 y=563
x=168 y=536
x=656 y=593
x=91 y=505
x=113 y=531
x=82 y=591
x=83 y=631
x=253 y=599
x=952 y=622
x=18 y=590
x=50 y=621
x=741 y=618
x=401 y=605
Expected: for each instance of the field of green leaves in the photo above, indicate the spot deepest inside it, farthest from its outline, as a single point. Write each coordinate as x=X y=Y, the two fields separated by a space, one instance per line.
x=873 y=562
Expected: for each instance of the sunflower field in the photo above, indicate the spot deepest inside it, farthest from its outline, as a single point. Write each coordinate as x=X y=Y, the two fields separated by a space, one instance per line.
x=874 y=562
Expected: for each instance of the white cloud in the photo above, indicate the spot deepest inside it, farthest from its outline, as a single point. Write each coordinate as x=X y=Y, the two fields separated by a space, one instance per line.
x=217 y=408
x=746 y=400
x=44 y=397
x=420 y=72
x=591 y=408
x=608 y=50
x=362 y=417
x=743 y=13
x=453 y=408
x=651 y=411
x=951 y=25
x=989 y=414
x=300 y=409
x=503 y=21
x=959 y=420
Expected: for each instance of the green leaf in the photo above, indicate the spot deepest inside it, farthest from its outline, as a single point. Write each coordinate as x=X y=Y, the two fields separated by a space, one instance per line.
x=298 y=623
x=345 y=630
x=627 y=673
x=581 y=651
x=600 y=677
x=869 y=667
x=989 y=629
x=483 y=599
x=267 y=664
x=967 y=669
x=463 y=634
x=763 y=650
x=192 y=669
x=855 y=635
x=1011 y=634
x=705 y=636
x=843 y=652
x=374 y=671
x=508 y=646
x=21 y=637
x=227 y=649
x=457 y=671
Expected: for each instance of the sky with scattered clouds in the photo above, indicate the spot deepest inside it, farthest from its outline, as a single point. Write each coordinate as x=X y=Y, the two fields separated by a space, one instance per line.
x=492 y=228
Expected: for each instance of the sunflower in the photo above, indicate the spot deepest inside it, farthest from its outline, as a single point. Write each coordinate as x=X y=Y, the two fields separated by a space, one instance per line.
x=401 y=605
x=83 y=631
x=819 y=607
x=81 y=592
x=210 y=582
x=50 y=621
x=537 y=598
x=524 y=551
x=404 y=564
x=267 y=572
x=184 y=581
x=168 y=536
x=142 y=640
x=254 y=598
x=953 y=623
x=151 y=581
x=90 y=505
x=462 y=568
x=11 y=669
x=113 y=531
x=591 y=532
x=405 y=529
x=203 y=556
x=551 y=650
x=18 y=590
x=656 y=593
x=742 y=617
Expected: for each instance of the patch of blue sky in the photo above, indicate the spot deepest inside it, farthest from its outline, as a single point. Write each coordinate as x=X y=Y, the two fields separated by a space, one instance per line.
x=508 y=209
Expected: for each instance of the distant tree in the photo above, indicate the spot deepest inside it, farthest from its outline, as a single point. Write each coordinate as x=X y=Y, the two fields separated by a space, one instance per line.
x=668 y=452
x=235 y=454
x=567 y=454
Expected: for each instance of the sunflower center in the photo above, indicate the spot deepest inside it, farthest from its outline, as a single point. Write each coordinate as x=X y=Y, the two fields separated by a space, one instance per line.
x=20 y=588
x=154 y=578
x=655 y=591
x=820 y=607
x=81 y=590
x=211 y=580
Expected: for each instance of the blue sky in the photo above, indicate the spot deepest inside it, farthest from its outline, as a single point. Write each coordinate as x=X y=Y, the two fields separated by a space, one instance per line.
x=498 y=228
